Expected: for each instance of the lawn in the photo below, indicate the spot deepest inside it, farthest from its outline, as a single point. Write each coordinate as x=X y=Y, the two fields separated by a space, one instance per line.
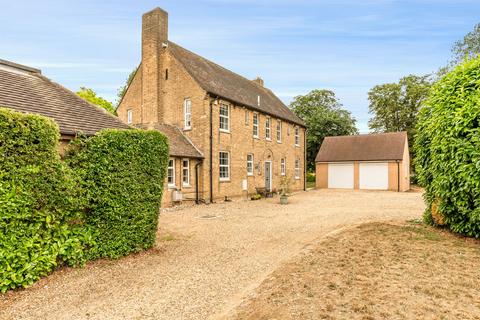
x=375 y=271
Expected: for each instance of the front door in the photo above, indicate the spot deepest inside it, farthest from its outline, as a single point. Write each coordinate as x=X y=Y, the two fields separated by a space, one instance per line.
x=268 y=175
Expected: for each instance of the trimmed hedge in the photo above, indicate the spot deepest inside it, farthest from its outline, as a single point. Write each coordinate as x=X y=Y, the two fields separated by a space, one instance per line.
x=122 y=174
x=447 y=149
x=40 y=220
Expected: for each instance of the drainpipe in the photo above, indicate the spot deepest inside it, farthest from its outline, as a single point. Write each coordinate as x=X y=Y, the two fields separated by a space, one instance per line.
x=305 y=159
x=398 y=176
x=197 y=196
x=211 y=151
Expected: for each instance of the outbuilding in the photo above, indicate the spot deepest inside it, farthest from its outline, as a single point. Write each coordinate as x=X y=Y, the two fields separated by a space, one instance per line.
x=369 y=162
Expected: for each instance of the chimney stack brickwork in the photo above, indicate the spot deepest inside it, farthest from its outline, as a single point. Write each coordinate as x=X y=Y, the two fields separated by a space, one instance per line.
x=154 y=35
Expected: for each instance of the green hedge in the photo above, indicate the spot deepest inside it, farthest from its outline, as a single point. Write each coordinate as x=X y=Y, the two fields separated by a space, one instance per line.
x=40 y=224
x=122 y=174
x=448 y=150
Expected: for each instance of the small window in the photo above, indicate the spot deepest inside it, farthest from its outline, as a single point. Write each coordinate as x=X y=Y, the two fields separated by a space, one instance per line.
x=224 y=164
x=268 y=135
x=171 y=173
x=255 y=125
x=187 y=114
x=129 y=116
x=224 y=117
x=297 y=169
x=279 y=131
x=283 y=166
x=249 y=164
x=186 y=172
x=258 y=101
x=297 y=136
x=247 y=117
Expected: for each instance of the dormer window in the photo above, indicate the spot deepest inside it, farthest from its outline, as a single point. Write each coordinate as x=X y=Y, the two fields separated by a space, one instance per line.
x=258 y=101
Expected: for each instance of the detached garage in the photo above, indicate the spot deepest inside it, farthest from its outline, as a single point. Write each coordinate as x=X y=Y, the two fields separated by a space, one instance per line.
x=369 y=162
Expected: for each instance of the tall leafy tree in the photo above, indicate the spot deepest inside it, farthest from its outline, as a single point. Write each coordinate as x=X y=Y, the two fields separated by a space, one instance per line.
x=395 y=106
x=324 y=116
x=468 y=47
x=92 y=97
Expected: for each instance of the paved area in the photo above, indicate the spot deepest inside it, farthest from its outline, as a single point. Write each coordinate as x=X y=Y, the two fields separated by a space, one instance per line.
x=207 y=258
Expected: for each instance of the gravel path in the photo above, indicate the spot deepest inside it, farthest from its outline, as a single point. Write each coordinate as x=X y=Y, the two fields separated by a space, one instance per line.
x=207 y=258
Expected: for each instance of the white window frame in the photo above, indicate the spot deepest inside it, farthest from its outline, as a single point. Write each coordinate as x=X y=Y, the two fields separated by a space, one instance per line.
x=171 y=184
x=129 y=116
x=250 y=162
x=187 y=175
x=297 y=136
x=220 y=165
x=255 y=125
x=279 y=131
x=297 y=169
x=187 y=114
x=227 y=117
x=268 y=128
x=283 y=166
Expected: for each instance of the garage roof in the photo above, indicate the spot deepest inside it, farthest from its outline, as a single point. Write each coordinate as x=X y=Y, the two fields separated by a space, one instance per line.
x=365 y=147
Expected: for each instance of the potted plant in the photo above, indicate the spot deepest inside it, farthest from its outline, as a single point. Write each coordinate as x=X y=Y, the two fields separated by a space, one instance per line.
x=284 y=190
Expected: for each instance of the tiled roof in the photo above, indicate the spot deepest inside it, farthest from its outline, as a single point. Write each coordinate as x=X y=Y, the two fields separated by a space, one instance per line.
x=231 y=86
x=27 y=90
x=367 y=147
x=180 y=145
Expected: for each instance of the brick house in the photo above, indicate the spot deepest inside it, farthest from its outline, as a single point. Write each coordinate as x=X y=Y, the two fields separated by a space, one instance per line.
x=228 y=135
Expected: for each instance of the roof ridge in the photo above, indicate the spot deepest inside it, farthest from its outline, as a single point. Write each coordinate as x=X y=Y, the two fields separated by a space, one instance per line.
x=218 y=65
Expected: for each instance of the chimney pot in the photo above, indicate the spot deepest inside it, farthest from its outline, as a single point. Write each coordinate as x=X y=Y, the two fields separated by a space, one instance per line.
x=259 y=81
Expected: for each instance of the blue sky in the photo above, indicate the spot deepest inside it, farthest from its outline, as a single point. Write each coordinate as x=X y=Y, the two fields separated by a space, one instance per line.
x=347 y=46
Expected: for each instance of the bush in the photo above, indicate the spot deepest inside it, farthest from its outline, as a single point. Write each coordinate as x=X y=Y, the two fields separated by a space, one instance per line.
x=448 y=150
x=122 y=174
x=40 y=224
x=310 y=177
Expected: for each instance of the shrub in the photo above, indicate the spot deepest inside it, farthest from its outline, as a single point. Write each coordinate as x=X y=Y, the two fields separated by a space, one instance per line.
x=310 y=177
x=40 y=224
x=122 y=174
x=448 y=150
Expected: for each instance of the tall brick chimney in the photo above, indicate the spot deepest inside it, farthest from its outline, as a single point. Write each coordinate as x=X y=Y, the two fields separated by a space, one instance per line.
x=154 y=42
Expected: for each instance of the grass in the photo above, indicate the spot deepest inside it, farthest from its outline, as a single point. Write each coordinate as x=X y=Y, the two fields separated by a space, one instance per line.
x=375 y=271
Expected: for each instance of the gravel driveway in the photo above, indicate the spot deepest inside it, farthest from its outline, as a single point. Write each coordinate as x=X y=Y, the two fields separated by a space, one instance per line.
x=207 y=258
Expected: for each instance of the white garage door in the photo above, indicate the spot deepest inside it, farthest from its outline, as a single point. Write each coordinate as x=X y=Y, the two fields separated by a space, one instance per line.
x=374 y=176
x=340 y=175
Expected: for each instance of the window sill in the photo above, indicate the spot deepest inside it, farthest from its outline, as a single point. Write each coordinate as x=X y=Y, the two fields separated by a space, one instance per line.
x=170 y=187
x=282 y=174
x=297 y=145
x=187 y=186
x=187 y=129
x=250 y=174
x=225 y=180
x=224 y=131
x=256 y=137
x=297 y=178
x=268 y=139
